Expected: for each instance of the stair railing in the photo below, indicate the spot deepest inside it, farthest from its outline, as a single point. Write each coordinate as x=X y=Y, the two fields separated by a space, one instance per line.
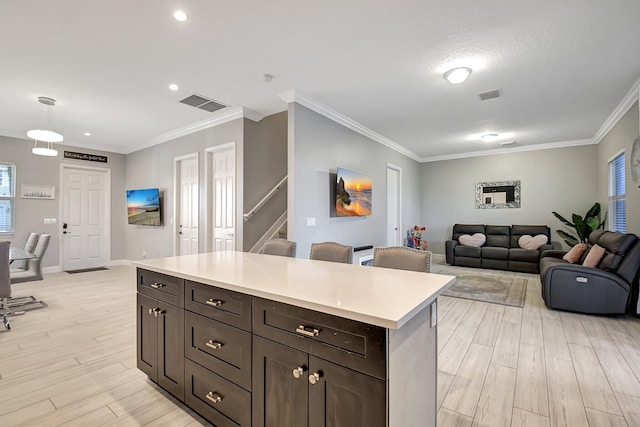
x=265 y=199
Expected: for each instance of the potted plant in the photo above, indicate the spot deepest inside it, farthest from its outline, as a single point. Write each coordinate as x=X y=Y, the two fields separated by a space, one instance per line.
x=583 y=226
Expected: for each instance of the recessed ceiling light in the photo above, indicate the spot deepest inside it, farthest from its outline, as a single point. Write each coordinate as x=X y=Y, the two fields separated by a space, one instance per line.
x=180 y=15
x=87 y=134
x=457 y=75
x=173 y=87
x=490 y=137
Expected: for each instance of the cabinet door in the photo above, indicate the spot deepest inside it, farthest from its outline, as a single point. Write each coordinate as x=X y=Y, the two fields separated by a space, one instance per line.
x=147 y=336
x=341 y=397
x=279 y=397
x=171 y=349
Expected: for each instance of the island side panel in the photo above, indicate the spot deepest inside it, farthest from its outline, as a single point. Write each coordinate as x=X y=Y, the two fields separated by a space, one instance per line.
x=412 y=370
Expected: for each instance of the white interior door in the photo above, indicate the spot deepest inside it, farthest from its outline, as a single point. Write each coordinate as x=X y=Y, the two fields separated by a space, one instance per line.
x=224 y=198
x=188 y=205
x=393 y=206
x=85 y=218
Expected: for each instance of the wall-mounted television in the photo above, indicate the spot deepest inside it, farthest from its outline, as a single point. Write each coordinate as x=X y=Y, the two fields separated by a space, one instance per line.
x=353 y=193
x=143 y=206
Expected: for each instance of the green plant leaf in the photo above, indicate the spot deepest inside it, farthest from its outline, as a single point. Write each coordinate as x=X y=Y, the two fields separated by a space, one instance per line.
x=561 y=218
x=568 y=237
x=593 y=212
x=580 y=226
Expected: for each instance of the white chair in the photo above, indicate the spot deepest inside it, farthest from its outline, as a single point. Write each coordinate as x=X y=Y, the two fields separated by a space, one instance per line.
x=33 y=270
x=29 y=246
x=5 y=283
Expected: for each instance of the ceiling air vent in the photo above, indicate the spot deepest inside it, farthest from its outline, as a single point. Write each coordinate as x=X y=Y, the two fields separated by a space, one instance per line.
x=489 y=95
x=203 y=103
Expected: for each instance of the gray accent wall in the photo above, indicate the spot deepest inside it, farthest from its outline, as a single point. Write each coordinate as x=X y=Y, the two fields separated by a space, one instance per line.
x=153 y=167
x=620 y=138
x=265 y=164
x=39 y=170
x=317 y=146
x=561 y=179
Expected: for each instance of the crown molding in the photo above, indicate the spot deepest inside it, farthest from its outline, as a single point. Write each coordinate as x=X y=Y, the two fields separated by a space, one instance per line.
x=629 y=99
x=507 y=150
x=295 y=96
x=223 y=116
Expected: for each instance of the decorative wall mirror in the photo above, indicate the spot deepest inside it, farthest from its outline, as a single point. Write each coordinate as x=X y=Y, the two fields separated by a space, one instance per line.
x=498 y=195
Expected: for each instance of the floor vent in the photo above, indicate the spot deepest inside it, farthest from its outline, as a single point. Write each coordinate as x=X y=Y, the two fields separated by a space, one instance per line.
x=203 y=103
x=489 y=95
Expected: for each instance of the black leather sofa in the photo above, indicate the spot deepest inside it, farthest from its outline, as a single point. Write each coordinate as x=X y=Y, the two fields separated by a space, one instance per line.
x=500 y=251
x=610 y=288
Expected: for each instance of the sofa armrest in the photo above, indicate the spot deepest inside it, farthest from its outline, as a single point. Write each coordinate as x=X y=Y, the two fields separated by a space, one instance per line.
x=449 y=246
x=553 y=253
x=588 y=273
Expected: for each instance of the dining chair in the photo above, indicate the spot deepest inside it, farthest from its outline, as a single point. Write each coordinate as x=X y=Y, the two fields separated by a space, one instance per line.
x=33 y=270
x=402 y=258
x=332 y=251
x=29 y=246
x=280 y=247
x=5 y=283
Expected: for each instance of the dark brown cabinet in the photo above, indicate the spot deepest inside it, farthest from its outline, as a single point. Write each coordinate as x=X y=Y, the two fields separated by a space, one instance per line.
x=160 y=341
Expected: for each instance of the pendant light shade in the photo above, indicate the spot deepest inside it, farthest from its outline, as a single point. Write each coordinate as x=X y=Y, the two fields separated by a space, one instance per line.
x=47 y=136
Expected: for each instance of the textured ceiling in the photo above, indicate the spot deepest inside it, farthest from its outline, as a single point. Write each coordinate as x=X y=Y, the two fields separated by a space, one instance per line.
x=562 y=66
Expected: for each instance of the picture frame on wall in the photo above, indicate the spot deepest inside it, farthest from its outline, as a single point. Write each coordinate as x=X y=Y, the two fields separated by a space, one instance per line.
x=45 y=192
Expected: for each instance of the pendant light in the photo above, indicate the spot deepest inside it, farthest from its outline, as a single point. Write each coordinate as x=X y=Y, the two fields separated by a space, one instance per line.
x=47 y=136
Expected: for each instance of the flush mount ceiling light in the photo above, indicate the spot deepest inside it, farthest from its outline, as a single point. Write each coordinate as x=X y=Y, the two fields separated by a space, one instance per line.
x=179 y=15
x=457 y=75
x=490 y=137
x=173 y=87
x=87 y=134
x=47 y=136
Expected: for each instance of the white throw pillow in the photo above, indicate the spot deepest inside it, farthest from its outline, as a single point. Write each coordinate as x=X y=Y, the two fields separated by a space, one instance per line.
x=476 y=240
x=532 y=242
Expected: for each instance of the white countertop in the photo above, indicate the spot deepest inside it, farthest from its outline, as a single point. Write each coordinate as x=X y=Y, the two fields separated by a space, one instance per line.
x=378 y=296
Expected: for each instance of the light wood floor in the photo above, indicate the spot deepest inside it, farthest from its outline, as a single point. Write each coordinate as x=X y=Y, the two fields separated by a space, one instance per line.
x=73 y=363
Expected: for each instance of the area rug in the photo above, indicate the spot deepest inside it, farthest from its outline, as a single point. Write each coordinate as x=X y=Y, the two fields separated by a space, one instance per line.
x=20 y=304
x=497 y=290
x=86 y=270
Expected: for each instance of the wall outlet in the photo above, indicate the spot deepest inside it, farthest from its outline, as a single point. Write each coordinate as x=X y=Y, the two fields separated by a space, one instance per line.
x=144 y=254
x=50 y=221
x=311 y=222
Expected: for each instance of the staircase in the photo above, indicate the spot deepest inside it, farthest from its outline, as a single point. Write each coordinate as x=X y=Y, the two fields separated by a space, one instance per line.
x=279 y=227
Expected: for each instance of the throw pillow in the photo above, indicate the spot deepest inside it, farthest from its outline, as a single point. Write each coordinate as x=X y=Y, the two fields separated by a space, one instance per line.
x=529 y=242
x=476 y=240
x=594 y=256
x=575 y=253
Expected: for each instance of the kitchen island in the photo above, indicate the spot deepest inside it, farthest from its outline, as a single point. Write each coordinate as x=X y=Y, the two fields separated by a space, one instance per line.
x=249 y=339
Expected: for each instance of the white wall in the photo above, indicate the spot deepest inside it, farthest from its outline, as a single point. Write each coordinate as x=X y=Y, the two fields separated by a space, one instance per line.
x=562 y=179
x=621 y=137
x=317 y=146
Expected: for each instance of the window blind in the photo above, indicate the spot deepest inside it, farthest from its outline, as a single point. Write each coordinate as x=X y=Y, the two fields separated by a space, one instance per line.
x=7 y=196
x=617 y=195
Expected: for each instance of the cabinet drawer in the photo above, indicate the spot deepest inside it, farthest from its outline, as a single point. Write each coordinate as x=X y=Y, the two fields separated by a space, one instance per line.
x=219 y=304
x=160 y=286
x=218 y=400
x=353 y=344
x=220 y=348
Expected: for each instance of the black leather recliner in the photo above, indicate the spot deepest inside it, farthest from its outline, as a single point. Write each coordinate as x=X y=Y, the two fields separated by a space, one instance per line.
x=607 y=289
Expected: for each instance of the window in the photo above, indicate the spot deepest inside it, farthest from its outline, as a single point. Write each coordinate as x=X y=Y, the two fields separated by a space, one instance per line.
x=617 y=199
x=7 y=196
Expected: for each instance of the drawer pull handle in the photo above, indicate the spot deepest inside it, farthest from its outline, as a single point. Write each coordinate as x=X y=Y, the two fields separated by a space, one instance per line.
x=214 y=302
x=213 y=344
x=308 y=331
x=152 y=311
x=214 y=397
x=315 y=377
x=297 y=372
x=157 y=285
